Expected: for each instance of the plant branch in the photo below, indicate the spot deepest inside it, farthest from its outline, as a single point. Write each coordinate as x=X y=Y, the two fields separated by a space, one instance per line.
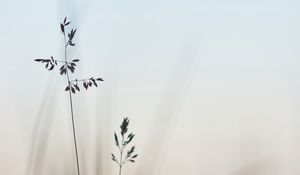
x=76 y=80
x=61 y=61
x=72 y=113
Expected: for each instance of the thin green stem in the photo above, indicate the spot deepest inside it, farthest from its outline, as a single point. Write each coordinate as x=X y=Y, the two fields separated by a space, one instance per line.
x=76 y=80
x=60 y=61
x=72 y=113
x=121 y=155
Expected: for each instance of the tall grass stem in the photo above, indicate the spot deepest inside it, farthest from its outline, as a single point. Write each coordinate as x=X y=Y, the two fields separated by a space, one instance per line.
x=72 y=113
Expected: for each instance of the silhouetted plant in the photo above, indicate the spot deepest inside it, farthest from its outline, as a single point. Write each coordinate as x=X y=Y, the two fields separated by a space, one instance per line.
x=67 y=66
x=122 y=143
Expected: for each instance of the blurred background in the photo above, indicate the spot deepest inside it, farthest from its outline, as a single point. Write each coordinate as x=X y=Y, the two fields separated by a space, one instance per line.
x=210 y=87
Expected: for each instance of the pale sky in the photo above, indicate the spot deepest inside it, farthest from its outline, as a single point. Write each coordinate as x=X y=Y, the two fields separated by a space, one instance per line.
x=211 y=87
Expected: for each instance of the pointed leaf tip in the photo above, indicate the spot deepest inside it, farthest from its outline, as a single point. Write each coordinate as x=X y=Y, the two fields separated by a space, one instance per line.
x=116 y=139
x=65 y=20
x=134 y=156
x=62 y=28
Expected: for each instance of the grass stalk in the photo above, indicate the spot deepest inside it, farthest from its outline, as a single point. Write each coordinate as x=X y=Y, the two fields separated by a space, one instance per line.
x=72 y=111
x=67 y=68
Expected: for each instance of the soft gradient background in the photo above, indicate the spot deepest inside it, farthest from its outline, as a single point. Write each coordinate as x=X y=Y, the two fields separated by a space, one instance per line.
x=211 y=87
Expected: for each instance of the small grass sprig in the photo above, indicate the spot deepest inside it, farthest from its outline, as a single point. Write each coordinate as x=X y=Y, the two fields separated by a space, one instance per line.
x=66 y=68
x=121 y=144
